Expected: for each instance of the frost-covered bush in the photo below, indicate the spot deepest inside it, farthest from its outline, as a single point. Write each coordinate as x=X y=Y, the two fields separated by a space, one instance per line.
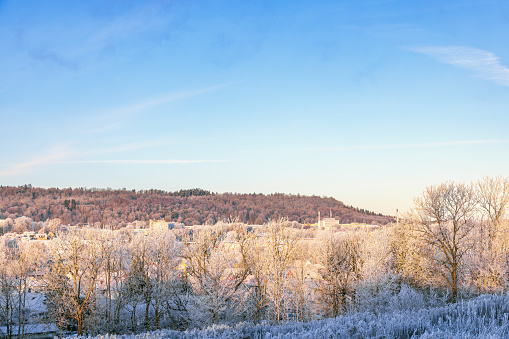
x=408 y=299
x=388 y=294
x=376 y=296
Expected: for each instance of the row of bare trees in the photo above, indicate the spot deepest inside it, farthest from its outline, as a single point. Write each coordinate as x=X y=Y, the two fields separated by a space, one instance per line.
x=108 y=281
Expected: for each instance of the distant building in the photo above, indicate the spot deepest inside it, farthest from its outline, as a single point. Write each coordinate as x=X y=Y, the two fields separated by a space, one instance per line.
x=328 y=223
x=159 y=225
x=30 y=235
x=41 y=236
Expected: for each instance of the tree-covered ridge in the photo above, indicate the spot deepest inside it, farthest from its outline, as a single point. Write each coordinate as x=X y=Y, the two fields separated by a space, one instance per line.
x=118 y=207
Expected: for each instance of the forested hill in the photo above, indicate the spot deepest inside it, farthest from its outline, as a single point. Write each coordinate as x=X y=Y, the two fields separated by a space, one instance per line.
x=195 y=206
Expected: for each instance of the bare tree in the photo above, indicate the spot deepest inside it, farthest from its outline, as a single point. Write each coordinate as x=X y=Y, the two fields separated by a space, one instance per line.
x=6 y=225
x=113 y=248
x=257 y=285
x=141 y=272
x=493 y=195
x=28 y=258
x=119 y=269
x=133 y=293
x=341 y=261
x=22 y=224
x=71 y=281
x=7 y=290
x=216 y=268
x=411 y=256
x=298 y=277
x=162 y=255
x=489 y=265
x=52 y=225
x=444 y=217
x=18 y=262
x=281 y=245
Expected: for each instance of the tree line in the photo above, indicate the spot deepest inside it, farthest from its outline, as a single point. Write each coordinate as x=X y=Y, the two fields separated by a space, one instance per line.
x=117 y=208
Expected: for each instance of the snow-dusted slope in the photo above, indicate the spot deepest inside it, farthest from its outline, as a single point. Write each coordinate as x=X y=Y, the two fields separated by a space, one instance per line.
x=483 y=317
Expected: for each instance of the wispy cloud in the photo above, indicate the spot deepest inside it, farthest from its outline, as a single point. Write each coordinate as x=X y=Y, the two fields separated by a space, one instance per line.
x=486 y=65
x=115 y=118
x=60 y=156
x=150 y=17
x=131 y=162
x=132 y=146
x=31 y=165
x=140 y=107
x=386 y=146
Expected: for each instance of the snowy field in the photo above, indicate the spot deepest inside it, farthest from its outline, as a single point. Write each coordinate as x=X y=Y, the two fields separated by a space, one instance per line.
x=483 y=317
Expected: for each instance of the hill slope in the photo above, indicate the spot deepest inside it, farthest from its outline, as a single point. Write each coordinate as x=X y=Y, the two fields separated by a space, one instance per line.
x=195 y=206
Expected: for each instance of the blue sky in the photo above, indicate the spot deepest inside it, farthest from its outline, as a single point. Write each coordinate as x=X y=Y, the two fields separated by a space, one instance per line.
x=365 y=101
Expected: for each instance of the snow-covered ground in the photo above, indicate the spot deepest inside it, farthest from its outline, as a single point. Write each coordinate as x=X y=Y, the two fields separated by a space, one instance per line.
x=483 y=317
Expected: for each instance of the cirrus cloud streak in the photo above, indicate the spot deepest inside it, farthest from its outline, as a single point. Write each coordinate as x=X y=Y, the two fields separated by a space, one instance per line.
x=484 y=64
x=58 y=159
x=120 y=161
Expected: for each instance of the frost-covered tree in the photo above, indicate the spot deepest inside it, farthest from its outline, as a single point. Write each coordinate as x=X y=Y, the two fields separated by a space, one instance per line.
x=281 y=245
x=444 y=217
x=153 y=271
x=52 y=225
x=76 y=262
x=300 y=285
x=412 y=257
x=18 y=262
x=493 y=197
x=6 y=225
x=7 y=289
x=22 y=224
x=256 y=299
x=341 y=261
x=164 y=254
x=114 y=248
x=488 y=266
x=216 y=269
